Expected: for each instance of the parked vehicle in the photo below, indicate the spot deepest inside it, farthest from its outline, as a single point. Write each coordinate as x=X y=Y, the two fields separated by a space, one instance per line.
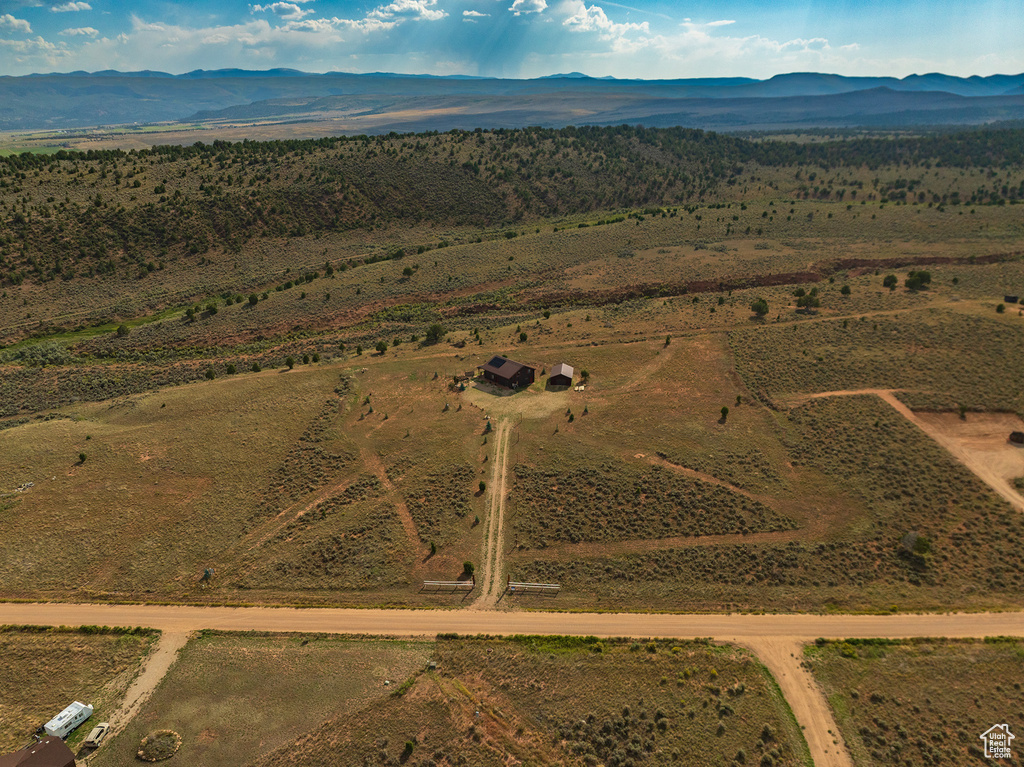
x=67 y=720
x=96 y=736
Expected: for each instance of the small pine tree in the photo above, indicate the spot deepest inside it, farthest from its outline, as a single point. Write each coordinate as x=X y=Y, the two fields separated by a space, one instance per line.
x=256 y=367
x=290 y=362
x=725 y=412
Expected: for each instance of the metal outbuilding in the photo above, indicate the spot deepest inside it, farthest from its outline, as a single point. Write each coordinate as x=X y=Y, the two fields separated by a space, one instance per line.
x=561 y=375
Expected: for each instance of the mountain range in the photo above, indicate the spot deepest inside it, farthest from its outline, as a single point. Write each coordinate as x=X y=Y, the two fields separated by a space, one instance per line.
x=380 y=102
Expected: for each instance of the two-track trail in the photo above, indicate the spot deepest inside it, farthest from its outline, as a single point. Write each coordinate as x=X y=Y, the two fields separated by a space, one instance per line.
x=490 y=583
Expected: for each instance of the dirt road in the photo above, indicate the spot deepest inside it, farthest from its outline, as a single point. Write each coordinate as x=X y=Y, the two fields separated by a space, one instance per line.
x=154 y=668
x=782 y=656
x=491 y=585
x=775 y=638
x=730 y=628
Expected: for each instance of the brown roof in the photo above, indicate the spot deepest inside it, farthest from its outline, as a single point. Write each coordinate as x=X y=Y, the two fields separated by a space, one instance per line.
x=48 y=752
x=504 y=367
x=561 y=369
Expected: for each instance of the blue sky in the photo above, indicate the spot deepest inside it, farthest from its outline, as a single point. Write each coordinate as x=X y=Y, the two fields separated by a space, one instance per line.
x=518 y=38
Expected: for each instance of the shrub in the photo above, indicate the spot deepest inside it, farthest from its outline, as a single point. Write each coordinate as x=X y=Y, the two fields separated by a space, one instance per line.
x=918 y=280
x=290 y=362
x=434 y=334
x=256 y=367
x=759 y=307
x=232 y=369
x=468 y=568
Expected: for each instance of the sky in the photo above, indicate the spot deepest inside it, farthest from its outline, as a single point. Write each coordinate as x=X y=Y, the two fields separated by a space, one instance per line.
x=518 y=38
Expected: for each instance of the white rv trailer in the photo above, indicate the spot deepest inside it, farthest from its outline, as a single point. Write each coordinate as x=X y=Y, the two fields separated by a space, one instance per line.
x=67 y=720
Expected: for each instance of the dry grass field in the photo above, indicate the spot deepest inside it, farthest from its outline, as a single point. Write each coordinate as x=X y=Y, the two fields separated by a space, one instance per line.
x=45 y=669
x=191 y=380
x=569 y=701
x=235 y=697
x=896 y=703
x=315 y=484
x=331 y=482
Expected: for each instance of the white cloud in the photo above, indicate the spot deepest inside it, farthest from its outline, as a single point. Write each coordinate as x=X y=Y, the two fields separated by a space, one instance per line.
x=475 y=14
x=707 y=24
x=25 y=46
x=323 y=25
x=72 y=6
x=519 y=7
x=287 y=11
x=594 y=19
x=417 y=9
x=81 y=31
x=7 y=21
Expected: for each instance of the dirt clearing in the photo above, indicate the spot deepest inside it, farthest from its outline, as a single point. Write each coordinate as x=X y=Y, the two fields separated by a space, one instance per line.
x=981 y=441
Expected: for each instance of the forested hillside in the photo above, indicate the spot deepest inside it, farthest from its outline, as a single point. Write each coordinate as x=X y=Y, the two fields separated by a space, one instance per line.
x=71 y=214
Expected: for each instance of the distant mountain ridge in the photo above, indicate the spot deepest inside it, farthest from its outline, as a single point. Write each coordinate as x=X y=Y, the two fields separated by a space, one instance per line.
x=84 y=99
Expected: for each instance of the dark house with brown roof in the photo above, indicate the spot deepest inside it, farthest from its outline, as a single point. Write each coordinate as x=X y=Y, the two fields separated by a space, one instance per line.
x=505 y=372
x=47 y=752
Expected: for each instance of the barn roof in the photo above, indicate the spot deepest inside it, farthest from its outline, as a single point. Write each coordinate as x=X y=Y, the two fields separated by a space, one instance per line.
x=504 y=367
x=48 y=752
x=561 y=369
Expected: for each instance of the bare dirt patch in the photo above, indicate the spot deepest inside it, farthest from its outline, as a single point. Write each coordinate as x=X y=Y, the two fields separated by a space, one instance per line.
x=983 y=441
x=980 y=442
x=529 y=403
